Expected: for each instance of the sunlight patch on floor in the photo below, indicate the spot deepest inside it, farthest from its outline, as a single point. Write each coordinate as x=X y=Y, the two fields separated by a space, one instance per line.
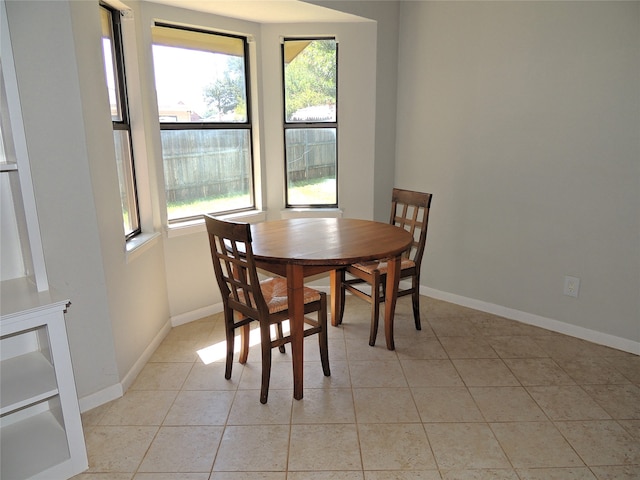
x=218 y=351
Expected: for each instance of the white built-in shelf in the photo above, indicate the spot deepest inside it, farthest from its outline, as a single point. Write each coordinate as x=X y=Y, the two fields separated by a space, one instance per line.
x=41 y=434
x=35 y=448
x=26 y=379
x=8 y=167
x=21 y=297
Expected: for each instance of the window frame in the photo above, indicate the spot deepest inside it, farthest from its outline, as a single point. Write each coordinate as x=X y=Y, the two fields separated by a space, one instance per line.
x=246 y=125
x=124 y=123
x=288 y=125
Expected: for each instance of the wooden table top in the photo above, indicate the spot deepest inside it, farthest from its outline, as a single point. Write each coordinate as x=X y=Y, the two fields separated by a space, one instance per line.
x=326 y=241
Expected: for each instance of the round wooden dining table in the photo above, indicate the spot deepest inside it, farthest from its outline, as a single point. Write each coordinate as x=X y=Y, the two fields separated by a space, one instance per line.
x=301 y=247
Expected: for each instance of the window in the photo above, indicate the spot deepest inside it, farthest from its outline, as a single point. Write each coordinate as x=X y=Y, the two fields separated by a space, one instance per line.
x=205 y=121
x=115 y=74
x=310 y=123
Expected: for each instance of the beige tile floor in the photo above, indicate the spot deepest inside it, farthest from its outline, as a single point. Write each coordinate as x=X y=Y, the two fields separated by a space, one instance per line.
x=470 y=396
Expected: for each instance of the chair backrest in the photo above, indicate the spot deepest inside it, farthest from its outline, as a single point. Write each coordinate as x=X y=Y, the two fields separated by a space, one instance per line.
x=410 y=210
x=235 y=267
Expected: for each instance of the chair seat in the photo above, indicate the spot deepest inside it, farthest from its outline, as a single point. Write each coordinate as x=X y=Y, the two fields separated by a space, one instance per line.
x=370 y=267
x=274 y=291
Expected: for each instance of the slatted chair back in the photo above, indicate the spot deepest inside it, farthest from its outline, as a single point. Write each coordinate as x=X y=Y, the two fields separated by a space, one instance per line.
x=235 y=268
x=410 y=210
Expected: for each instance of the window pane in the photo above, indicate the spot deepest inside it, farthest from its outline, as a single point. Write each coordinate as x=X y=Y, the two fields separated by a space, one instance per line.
x=206 y=171
x=311 y=166
x=310 y=97
x=310 y=80
x=110 y=65
x=116 y=84
x=126 y=182
x=195 y=85
x=204 y=121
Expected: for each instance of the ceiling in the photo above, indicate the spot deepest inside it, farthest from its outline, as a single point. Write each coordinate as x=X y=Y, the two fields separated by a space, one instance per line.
x=265 y=11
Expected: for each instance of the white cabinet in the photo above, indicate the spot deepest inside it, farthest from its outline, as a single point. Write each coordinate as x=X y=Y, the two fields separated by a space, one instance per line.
x=40 y=427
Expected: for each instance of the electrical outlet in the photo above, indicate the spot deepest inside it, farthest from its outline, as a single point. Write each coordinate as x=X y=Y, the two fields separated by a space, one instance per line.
x=571 y=286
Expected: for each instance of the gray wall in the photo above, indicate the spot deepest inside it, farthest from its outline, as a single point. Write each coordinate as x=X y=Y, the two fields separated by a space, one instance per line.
x=118 y=304
x=46 y=69
x=523 y=120
x=386 y=15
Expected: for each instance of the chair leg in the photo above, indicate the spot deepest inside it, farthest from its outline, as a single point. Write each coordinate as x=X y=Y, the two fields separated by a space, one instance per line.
x=265 y=336
x=375 y=309
x=342 y=293
x=230 y=340
x=415 y=297
x=280 y=334
x=415 y=300
x=323 y=336
x=244 y=343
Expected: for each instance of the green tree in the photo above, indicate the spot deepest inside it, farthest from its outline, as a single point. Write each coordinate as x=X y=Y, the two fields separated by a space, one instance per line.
x=227 y=93
x=310 y=77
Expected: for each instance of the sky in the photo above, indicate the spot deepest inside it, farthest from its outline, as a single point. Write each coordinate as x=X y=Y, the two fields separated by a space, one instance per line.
x=182 y=74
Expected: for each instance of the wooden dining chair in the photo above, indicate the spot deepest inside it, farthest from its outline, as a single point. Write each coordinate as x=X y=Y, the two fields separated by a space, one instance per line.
x=246 y=298
x=409 y=210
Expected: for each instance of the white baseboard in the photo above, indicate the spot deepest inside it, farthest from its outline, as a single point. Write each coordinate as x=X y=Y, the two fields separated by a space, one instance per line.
x=112 y=392
x=594 y=336
x=89 y=402
x=196 y=314
x=133 y=373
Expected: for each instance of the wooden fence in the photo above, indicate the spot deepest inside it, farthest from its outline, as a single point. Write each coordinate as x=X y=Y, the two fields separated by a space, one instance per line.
x=217 y=163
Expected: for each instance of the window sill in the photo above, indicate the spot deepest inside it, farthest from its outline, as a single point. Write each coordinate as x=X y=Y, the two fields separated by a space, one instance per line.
x=139 y=244
x=311 y=213
x=194 y=226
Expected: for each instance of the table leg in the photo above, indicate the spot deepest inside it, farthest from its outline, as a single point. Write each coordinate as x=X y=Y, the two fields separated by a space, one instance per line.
x=336 y=277
x=391 y=295
x=295 y=285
